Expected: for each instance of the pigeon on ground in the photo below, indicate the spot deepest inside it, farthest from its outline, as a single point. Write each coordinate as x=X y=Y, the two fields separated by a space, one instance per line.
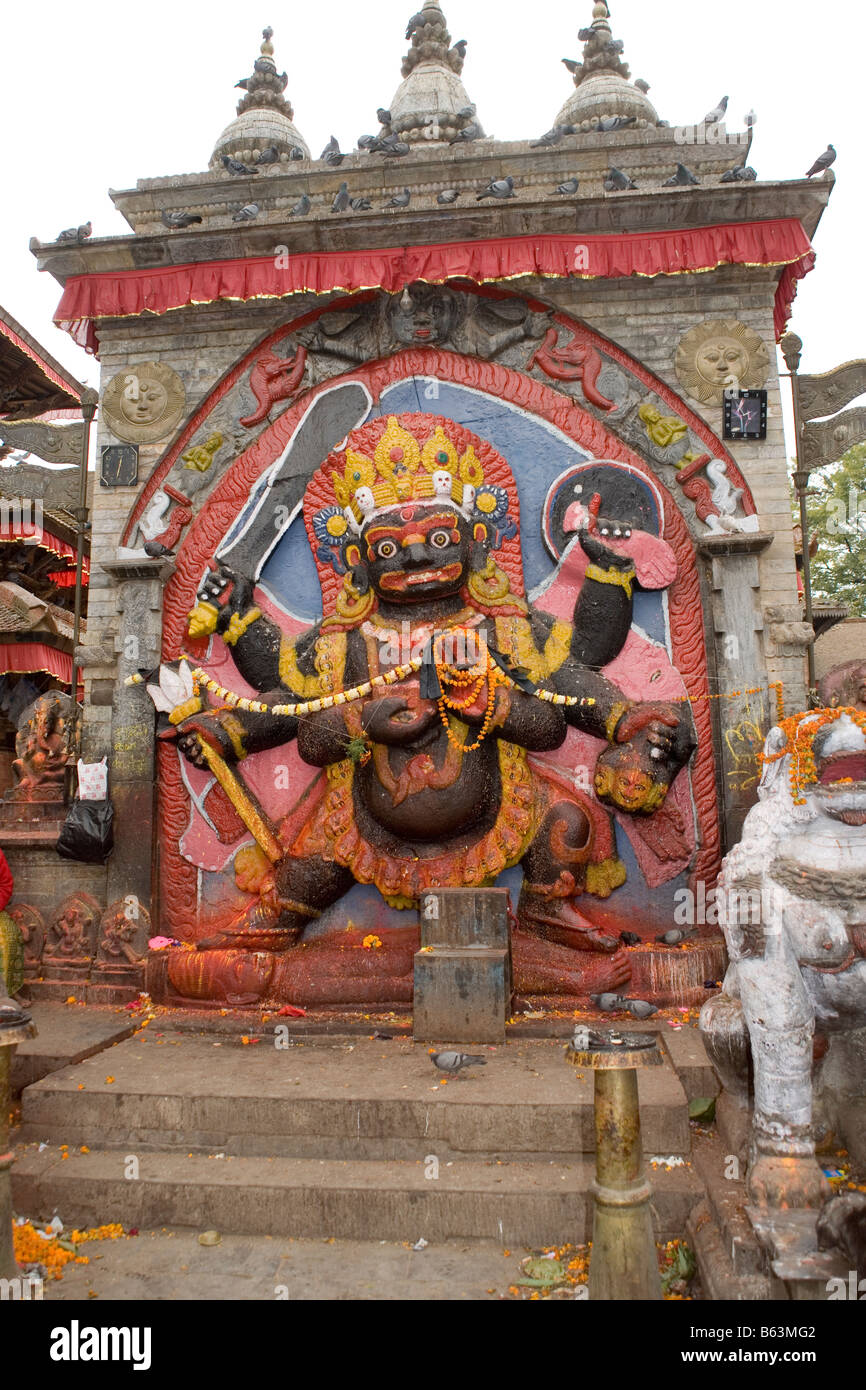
x=454 y=1062
x=234 y=166
x=823 y=162
x=617 y=1003
x=383 y=116
x=156 y=550
x=751 y=119
x=608 y=1003
x=296 y=153
x=675 y=936
x=247 y=213
x=617 y=181
x=448 y=195
x=566 y=189
x=331 y=153
x=717 y=114
x=743 y=173
x=640 y=1008
x=498 y=188
x=469 y=132
x=342 y=200
x=78 y=234
x=361 y=205
x=180 y=219
x=552 y=137
x=400 y=200
x=269 y=156
x=682 y=177
x=608 y=124
x=629 y=938
x=301 y=208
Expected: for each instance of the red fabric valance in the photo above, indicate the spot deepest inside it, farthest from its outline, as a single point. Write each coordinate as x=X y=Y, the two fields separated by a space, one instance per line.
x=31 y=533
x=25 y=657
x=128 y=293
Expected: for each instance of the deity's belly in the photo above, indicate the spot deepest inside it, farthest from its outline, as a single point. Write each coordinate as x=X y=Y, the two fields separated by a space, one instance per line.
x=423 y=795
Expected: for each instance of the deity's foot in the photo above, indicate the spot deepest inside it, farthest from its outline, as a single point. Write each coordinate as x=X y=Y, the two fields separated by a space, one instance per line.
x=558 y=920
x=786 y=1181
x=546 y=967
x=221 y=977
x=263 y=927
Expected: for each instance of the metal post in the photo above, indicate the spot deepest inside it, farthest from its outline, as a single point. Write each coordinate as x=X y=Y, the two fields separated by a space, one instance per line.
x=10 y=1037
x=624 y=1262
x=792 y=348
x=89 y=398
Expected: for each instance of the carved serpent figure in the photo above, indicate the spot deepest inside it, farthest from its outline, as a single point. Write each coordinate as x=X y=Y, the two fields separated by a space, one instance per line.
x=431 y=783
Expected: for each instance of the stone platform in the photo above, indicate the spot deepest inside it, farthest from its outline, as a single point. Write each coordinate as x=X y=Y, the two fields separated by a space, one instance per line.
x=334 y=1137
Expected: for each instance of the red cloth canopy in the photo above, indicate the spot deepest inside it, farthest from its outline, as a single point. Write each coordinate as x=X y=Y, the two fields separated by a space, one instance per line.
x=21 y=657
x=128 y=293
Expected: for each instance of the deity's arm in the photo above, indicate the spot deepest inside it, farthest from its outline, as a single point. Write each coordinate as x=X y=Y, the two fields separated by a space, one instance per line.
x=603 y=612
x=527 y=721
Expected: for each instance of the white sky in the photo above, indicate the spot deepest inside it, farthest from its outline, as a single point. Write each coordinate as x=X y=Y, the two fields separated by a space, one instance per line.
x=98 y=95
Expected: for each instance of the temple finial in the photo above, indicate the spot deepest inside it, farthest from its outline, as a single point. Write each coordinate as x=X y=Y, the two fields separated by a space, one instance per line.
x=431 y=105
x=264 y=116
x=605 y=92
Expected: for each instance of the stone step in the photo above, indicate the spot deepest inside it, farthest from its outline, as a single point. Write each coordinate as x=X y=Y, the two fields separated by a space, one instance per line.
x=517 y=1204
x=336 y=1099
x=65 y=1034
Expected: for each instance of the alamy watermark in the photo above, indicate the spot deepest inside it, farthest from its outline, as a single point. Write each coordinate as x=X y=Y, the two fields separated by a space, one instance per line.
x=21 y=519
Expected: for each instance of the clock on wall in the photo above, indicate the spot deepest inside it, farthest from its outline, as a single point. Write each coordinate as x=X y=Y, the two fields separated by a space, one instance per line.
x=119 y=465
x=745 y=415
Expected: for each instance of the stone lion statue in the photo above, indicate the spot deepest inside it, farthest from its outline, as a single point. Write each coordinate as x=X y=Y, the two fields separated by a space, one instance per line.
x=793 y=898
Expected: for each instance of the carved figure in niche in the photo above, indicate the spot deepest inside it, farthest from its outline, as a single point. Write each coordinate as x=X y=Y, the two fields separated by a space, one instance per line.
x=72 y=929
x=663 y=430
x=425 y=316
x=720 y=354
x=123 y=934
x=429 y=782
x=201 y=456
x=792 y=893
x=31 y=927
x=274 y=379
x=571 y=361
x=42 y=749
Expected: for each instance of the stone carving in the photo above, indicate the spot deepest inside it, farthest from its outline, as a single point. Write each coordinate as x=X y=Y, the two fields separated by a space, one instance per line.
x=844 y=685
x=72 y=929
x=721 y=354
x=663 y=430
x=124 y=930
x=425 y=316
x=826 y=442
x=408 y=523
x=31 y=926
x=716 y=506
x=157 y=525
x=571 y=361
x=274 y=379
x=42 y=749
x=144 y=402
x=201 y=456
x=54 y=443
x=793 y=896
x=824 y=393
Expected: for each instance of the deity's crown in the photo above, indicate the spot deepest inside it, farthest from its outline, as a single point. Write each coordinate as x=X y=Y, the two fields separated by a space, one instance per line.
x=403 y=470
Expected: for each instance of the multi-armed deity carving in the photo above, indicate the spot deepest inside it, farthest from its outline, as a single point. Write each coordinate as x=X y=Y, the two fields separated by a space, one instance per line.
x=42 y=748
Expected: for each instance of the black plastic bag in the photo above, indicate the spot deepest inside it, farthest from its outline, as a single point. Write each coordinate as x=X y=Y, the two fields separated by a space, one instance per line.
x=88 y=832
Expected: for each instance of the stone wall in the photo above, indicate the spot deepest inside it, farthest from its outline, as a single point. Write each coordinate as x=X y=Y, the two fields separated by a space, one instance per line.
x=845 y=642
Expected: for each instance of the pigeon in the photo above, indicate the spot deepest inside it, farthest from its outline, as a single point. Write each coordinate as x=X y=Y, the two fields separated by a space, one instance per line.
x=301 y=208
x=552 y=137
x=742 y=173
x=331 y=153
x=585 y=35
x=296 y=152
x=498 y=188
x=341 y=201
x=247 y=213
x=751 y=119
x=77 y=234
x=368 y=142
x=469 y=132
x=822 y=162
x=156 y=550
x=629 y=938
x=467 y=112
x=454 y=1062
x=675 y=936
x=391 y=145
x=234 y=166
x=617 y=180
x=572 y=64
x=415 y=22
x=361 y=205
x=717 y=114
x=614 y=46
x=566 y=189
x=448 y=195
x=383 y=116
x=269 y=156
x=641 y=85
x=400 y=200
x=460 y=48
x=616 y=1003
x=640 y=1008
x=608 y=1003
x=180 y=219
x=681 y=177
x=244 y=83
x=610 y=123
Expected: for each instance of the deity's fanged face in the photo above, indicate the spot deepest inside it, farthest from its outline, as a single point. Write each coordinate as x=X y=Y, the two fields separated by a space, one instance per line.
x=422 y=314
x=415 y=552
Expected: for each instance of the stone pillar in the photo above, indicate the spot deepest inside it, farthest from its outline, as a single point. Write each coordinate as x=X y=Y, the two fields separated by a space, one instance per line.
x=132 y=788
x=463 y=969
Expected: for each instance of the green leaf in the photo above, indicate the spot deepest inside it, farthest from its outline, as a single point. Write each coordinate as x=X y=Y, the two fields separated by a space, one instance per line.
x=703 y=1108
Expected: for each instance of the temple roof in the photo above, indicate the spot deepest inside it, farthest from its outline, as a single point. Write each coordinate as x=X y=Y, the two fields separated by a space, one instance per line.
x=427 y=105
x=603 y=86
x=31 y=381
x=265 y=119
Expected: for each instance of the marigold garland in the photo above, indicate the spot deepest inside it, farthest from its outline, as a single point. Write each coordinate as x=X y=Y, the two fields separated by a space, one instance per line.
x=800 y=730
